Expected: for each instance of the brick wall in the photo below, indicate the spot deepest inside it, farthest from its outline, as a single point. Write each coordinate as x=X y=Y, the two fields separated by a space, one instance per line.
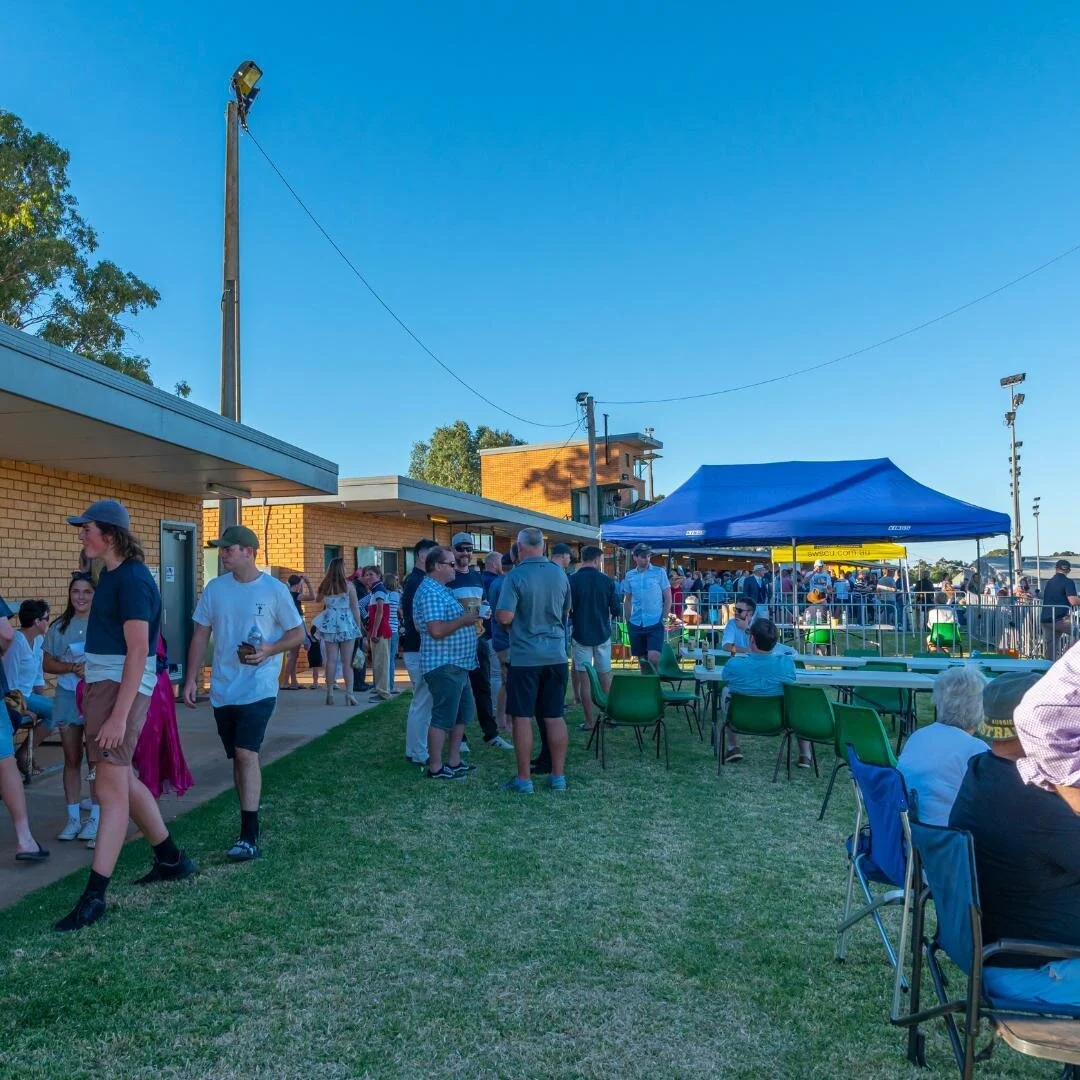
x=40 y=549
x=541 y=480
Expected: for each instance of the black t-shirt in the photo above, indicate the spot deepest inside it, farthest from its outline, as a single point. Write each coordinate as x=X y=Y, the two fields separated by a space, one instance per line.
x=409 y=636
x=595 y=602
x=1027 y=853
x=127 y=593
x=1056 y=593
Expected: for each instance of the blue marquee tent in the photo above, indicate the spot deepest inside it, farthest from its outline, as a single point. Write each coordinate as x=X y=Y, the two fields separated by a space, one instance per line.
x=809 y=501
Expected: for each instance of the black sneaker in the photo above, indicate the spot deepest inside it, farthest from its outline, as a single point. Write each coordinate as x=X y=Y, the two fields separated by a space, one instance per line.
x=463 y=768
x=85 y=913
x=184 y=867
x=243 y=851
x=540 y=768
x=445 y=773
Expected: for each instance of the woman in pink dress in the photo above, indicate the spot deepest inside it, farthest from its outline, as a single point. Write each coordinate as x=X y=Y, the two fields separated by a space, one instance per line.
x=159 y=758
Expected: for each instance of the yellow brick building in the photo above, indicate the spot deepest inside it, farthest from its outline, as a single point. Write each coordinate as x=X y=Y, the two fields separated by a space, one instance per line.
x=73 y=432
x=553 y=478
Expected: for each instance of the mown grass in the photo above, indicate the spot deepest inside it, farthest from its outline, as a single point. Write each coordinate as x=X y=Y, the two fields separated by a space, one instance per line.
x=643 y=924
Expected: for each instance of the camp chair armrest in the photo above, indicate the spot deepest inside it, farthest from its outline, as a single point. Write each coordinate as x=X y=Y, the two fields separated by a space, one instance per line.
x=1047 y=950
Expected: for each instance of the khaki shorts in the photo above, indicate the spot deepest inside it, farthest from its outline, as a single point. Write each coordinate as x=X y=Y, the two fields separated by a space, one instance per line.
x=597 y=655
x=97 y=708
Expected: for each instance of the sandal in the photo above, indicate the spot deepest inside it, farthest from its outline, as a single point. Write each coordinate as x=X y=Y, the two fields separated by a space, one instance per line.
x=32 y=856
x=585 y=727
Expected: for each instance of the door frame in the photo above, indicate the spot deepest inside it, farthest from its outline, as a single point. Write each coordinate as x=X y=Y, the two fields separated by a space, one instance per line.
x=192 y=567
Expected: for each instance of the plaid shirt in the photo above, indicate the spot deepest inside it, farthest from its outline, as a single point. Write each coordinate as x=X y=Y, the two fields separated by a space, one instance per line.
x=1048 y=723
x=435 y=603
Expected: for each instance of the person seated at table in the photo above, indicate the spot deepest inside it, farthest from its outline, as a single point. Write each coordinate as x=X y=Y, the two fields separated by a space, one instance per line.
x=935 y=758
x=761 y=672
x=736 y=637
x=942 y=613
x=1027 y=838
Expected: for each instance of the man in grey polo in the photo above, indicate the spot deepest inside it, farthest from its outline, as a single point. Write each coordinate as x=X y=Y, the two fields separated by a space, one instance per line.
x=534 y=602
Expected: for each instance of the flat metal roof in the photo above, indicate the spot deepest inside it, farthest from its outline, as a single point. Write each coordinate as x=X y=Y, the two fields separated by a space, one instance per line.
x=401 y=496
x=629 y=438
x=62 y=411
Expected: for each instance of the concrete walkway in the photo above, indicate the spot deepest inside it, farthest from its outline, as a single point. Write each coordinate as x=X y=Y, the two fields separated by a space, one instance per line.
x=300 y=716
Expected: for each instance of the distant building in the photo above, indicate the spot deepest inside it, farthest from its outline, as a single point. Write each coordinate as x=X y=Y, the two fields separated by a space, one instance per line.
x=553 y=478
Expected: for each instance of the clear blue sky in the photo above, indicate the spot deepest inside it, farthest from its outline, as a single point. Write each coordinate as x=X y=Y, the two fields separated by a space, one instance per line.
x=636 y=200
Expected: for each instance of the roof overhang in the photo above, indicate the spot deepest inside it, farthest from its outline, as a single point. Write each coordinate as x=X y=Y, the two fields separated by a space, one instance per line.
x=401 y=496
x=62 y=411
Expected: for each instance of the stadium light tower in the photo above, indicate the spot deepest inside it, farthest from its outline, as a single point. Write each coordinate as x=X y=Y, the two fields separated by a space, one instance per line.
x=1016 y=399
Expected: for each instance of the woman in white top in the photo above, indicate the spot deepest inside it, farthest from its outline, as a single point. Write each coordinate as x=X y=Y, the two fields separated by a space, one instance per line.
x=339 y=626
x=65 y=645
x=935 y=758
x=393 y=602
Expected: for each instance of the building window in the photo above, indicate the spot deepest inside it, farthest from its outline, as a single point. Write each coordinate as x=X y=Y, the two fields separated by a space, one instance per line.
x=627 y=456
x=365 y=556
x=330 y=552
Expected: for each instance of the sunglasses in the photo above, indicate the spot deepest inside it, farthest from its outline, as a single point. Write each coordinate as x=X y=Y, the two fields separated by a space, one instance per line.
x=464 y=548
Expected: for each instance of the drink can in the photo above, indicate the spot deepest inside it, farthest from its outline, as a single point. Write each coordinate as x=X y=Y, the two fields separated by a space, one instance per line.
x=710 y=662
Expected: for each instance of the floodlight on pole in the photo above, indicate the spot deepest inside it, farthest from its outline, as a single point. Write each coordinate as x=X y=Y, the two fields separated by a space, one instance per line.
x=1016 y=399
x=1038 y=545
x=244 y=93
x=1013 y=380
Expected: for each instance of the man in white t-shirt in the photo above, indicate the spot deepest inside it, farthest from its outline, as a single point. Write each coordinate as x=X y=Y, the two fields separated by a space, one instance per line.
x=254 y=621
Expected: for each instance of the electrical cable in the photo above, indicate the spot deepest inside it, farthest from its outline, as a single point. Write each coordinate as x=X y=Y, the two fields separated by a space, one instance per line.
x=569 y=439
x=386 y=307
x=857 y=352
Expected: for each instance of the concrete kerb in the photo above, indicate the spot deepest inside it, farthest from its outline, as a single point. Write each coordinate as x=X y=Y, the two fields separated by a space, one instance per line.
x=300 y=717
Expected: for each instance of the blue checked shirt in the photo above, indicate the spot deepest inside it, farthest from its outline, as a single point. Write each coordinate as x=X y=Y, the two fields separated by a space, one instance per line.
x=435 y=603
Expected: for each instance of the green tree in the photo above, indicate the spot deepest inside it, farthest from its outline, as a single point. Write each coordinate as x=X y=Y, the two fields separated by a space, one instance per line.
x=995 y=551
x=1063 y=553
x=451 y=456
x=49 y=284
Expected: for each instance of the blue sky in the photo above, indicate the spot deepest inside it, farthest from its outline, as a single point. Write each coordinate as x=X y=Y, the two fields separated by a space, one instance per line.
x=637 y=200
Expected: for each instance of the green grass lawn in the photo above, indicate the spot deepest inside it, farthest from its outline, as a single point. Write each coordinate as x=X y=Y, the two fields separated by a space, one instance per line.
x=643 y=924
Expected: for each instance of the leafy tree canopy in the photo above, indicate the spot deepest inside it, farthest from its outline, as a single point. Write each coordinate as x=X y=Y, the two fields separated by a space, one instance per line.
x=1063 y=554
x=49 y=284
x=451 y=456
x=996 y=551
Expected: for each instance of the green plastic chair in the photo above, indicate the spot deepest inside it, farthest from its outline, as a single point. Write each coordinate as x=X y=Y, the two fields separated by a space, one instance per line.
x=637 y=701
x=669 y=670
x=884 y=699
x=761 y=716
x=821 y=638
x=947 y=636
x=808 y=713
x=686 y=700
x=600 y=708
x=861 y=728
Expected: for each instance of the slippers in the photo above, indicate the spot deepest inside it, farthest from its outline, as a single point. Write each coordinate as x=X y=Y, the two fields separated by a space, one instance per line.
x=32 y=856
x=585 y=727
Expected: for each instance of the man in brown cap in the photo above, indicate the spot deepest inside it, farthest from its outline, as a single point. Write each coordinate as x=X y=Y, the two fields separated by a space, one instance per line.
x=1027 y=852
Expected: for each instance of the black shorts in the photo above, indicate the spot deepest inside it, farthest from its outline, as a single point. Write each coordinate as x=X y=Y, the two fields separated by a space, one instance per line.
x=538 y=691
x=646 y=639
x=244 y=725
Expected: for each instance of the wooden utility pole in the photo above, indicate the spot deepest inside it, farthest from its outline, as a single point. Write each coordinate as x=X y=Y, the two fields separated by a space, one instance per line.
x=589 y=405
x=230 y=293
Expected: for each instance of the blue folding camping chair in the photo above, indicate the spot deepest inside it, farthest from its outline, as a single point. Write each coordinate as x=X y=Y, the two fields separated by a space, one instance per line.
x=944 y=860
x=878 y=854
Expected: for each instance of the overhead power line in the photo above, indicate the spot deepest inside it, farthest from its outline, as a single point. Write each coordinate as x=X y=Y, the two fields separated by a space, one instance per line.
x=386 y=307
x=857 y=352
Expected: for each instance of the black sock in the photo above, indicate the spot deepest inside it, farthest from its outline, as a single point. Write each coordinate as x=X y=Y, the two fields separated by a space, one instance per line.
x=96 y=885
x=249 y=826
x=167 y=851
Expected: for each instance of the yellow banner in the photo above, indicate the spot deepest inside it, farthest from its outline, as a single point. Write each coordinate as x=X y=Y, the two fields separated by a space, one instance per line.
x=840 y=552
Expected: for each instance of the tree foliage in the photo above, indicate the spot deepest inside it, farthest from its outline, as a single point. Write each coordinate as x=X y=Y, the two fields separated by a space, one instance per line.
x=49 y=284
x=451 y=456
x=994 y=552
x=1063 y=554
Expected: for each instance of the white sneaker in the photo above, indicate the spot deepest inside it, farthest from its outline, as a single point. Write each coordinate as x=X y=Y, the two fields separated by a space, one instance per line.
x=91 y=844
x=89 y=829
x=71 y=830
x=464 y=747
x=500 y=743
